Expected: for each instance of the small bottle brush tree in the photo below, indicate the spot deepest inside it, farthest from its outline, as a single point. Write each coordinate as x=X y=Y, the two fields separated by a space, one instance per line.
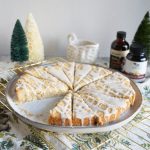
x=142 y=34
x=19 y=47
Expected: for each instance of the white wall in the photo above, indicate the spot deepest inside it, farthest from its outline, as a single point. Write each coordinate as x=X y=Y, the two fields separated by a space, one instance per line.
x=96 y=20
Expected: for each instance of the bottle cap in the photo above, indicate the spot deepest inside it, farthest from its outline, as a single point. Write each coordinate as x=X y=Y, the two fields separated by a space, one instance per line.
x=137 y=48
x=121 y=34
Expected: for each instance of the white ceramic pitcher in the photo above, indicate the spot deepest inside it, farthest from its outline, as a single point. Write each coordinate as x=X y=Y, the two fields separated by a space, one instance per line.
x=81 y=51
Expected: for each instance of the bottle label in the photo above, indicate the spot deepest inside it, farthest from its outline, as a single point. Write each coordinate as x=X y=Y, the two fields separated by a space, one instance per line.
x=135 y=70
x=117 y=59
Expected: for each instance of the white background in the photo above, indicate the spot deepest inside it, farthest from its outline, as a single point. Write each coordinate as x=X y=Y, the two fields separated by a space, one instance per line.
x=96 y=20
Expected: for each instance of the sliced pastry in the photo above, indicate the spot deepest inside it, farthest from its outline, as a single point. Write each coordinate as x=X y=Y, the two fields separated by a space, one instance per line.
x=82 y=113
x=56 y=70
x=61 y=114
x=106 y=108
x=68 y=68
x=30 y=88
x=39 y=72
x=115 y=85
x=116 y=77
x=81 y=70
x=95 y=74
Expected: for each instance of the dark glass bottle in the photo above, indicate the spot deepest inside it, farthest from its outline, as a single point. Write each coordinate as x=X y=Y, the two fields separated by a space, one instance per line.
x=136 y=63
x=119 y=50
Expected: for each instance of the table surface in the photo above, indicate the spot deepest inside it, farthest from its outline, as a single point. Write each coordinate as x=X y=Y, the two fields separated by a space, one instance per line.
x=135 y=135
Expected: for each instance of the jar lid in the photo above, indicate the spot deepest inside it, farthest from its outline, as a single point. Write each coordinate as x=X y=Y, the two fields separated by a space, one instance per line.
x=137 y=48
x=121 y=34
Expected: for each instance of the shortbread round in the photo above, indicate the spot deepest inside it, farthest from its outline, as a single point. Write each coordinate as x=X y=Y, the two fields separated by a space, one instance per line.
x=92 y=95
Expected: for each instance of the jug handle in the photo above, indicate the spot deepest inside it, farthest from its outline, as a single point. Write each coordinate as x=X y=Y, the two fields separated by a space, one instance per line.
x=72 y=38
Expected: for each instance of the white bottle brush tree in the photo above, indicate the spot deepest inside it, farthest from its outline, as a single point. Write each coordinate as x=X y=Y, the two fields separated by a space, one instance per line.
x=35 y=44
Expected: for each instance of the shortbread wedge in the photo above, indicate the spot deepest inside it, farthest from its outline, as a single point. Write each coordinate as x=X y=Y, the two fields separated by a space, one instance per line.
x=82 y=114
x=95 y=74
x=39 y=72
x=56 y=70
x=61 y=114
x=106 y=108
x=69 y=68
x=81 y=70
x=29 y=88
x=115 y=85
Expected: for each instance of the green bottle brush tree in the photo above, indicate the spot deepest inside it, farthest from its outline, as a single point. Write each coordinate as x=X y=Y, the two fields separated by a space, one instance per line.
x=19 y=46
x=142 y=34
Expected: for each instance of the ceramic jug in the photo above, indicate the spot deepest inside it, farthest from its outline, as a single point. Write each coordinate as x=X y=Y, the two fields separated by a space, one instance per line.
x=81 y=51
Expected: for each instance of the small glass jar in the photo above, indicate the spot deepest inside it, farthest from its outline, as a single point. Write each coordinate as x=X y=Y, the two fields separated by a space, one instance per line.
x=136 y=63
